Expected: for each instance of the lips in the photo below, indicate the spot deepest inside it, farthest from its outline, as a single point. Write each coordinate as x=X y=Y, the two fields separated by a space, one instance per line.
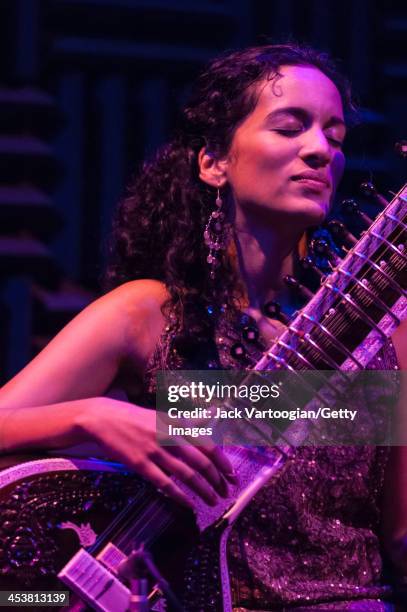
x=312 y=179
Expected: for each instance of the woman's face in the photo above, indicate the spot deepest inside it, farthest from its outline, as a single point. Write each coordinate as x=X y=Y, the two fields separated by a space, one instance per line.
x=285 y=159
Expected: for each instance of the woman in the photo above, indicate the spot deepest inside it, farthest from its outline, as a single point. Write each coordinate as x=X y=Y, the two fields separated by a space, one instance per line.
x=202 y=242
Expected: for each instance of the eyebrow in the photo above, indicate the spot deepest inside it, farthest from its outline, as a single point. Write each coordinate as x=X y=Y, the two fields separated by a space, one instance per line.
x=300 y=112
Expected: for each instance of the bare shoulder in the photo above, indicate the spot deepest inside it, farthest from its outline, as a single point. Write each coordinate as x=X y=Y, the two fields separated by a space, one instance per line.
x=142 y=321
x=144 y=295
x=84 y=358
x=399 y=339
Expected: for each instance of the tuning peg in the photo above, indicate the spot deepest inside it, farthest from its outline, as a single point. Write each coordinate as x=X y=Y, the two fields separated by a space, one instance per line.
x=350 y=207
x=307 y=263
x=341 y=233
x=272 y=310
x=401 y=148
x=321 y=248
x=300 y=289
x=370 y=191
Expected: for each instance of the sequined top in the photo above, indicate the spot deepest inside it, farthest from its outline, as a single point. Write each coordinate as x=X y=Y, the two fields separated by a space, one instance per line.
x=310 y=540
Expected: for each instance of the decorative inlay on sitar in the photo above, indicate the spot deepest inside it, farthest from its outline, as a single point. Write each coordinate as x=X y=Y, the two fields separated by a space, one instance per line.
x=341 y=328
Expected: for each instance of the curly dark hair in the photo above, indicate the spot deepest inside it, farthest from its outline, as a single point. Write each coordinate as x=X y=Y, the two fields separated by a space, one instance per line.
x=158 y=231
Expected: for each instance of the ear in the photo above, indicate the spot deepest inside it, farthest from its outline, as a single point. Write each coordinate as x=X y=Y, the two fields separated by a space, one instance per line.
x=212 y=170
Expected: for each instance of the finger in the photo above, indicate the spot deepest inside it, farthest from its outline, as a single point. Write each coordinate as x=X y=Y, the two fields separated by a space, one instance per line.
x=218 y=457
x=198 y=461
x=159 y=479
x=187 y=475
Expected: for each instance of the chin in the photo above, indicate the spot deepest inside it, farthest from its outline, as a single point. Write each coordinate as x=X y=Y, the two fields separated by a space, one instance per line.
x=296 y=213
x=311 y=211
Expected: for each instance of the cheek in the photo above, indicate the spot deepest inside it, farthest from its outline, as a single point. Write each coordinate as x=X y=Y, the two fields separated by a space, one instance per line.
x=258 y=154
x=337 y=168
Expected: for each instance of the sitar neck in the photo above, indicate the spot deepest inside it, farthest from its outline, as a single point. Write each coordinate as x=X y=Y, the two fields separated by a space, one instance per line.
x=358 y=305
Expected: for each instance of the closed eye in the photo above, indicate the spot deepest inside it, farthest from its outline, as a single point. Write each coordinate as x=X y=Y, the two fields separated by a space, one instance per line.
x=335 y=142
x=291 y=132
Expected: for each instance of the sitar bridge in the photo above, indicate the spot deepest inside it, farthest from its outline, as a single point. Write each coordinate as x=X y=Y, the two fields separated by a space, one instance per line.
x=94 y=583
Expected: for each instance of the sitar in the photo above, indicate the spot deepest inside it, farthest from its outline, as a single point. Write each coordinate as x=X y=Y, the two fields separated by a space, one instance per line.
x=72 y=522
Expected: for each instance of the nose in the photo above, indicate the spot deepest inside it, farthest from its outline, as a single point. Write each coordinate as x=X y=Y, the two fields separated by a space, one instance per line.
x=316 y=150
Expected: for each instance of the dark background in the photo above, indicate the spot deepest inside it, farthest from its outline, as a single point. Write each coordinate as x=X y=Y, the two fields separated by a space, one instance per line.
x=90 y=87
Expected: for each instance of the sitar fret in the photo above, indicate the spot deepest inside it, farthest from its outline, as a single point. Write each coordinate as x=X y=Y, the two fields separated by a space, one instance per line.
x=353 y=300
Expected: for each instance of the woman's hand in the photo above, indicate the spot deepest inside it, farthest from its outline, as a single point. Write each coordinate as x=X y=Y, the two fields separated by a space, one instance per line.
x=127 y=433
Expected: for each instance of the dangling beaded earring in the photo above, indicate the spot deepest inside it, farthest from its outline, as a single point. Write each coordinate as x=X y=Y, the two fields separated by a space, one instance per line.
x=215 y=235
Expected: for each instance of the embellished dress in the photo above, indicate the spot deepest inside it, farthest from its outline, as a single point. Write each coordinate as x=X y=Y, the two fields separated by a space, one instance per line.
x=308 y=541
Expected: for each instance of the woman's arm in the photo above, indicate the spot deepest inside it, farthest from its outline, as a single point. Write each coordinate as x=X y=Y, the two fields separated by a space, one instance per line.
x=84 y=358
x=56 y=401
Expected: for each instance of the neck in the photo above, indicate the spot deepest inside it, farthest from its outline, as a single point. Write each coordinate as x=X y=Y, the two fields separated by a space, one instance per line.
x=265 y=256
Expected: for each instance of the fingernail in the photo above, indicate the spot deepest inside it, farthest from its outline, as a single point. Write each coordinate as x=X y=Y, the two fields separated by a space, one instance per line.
x=186 y=502
x=231 y=476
